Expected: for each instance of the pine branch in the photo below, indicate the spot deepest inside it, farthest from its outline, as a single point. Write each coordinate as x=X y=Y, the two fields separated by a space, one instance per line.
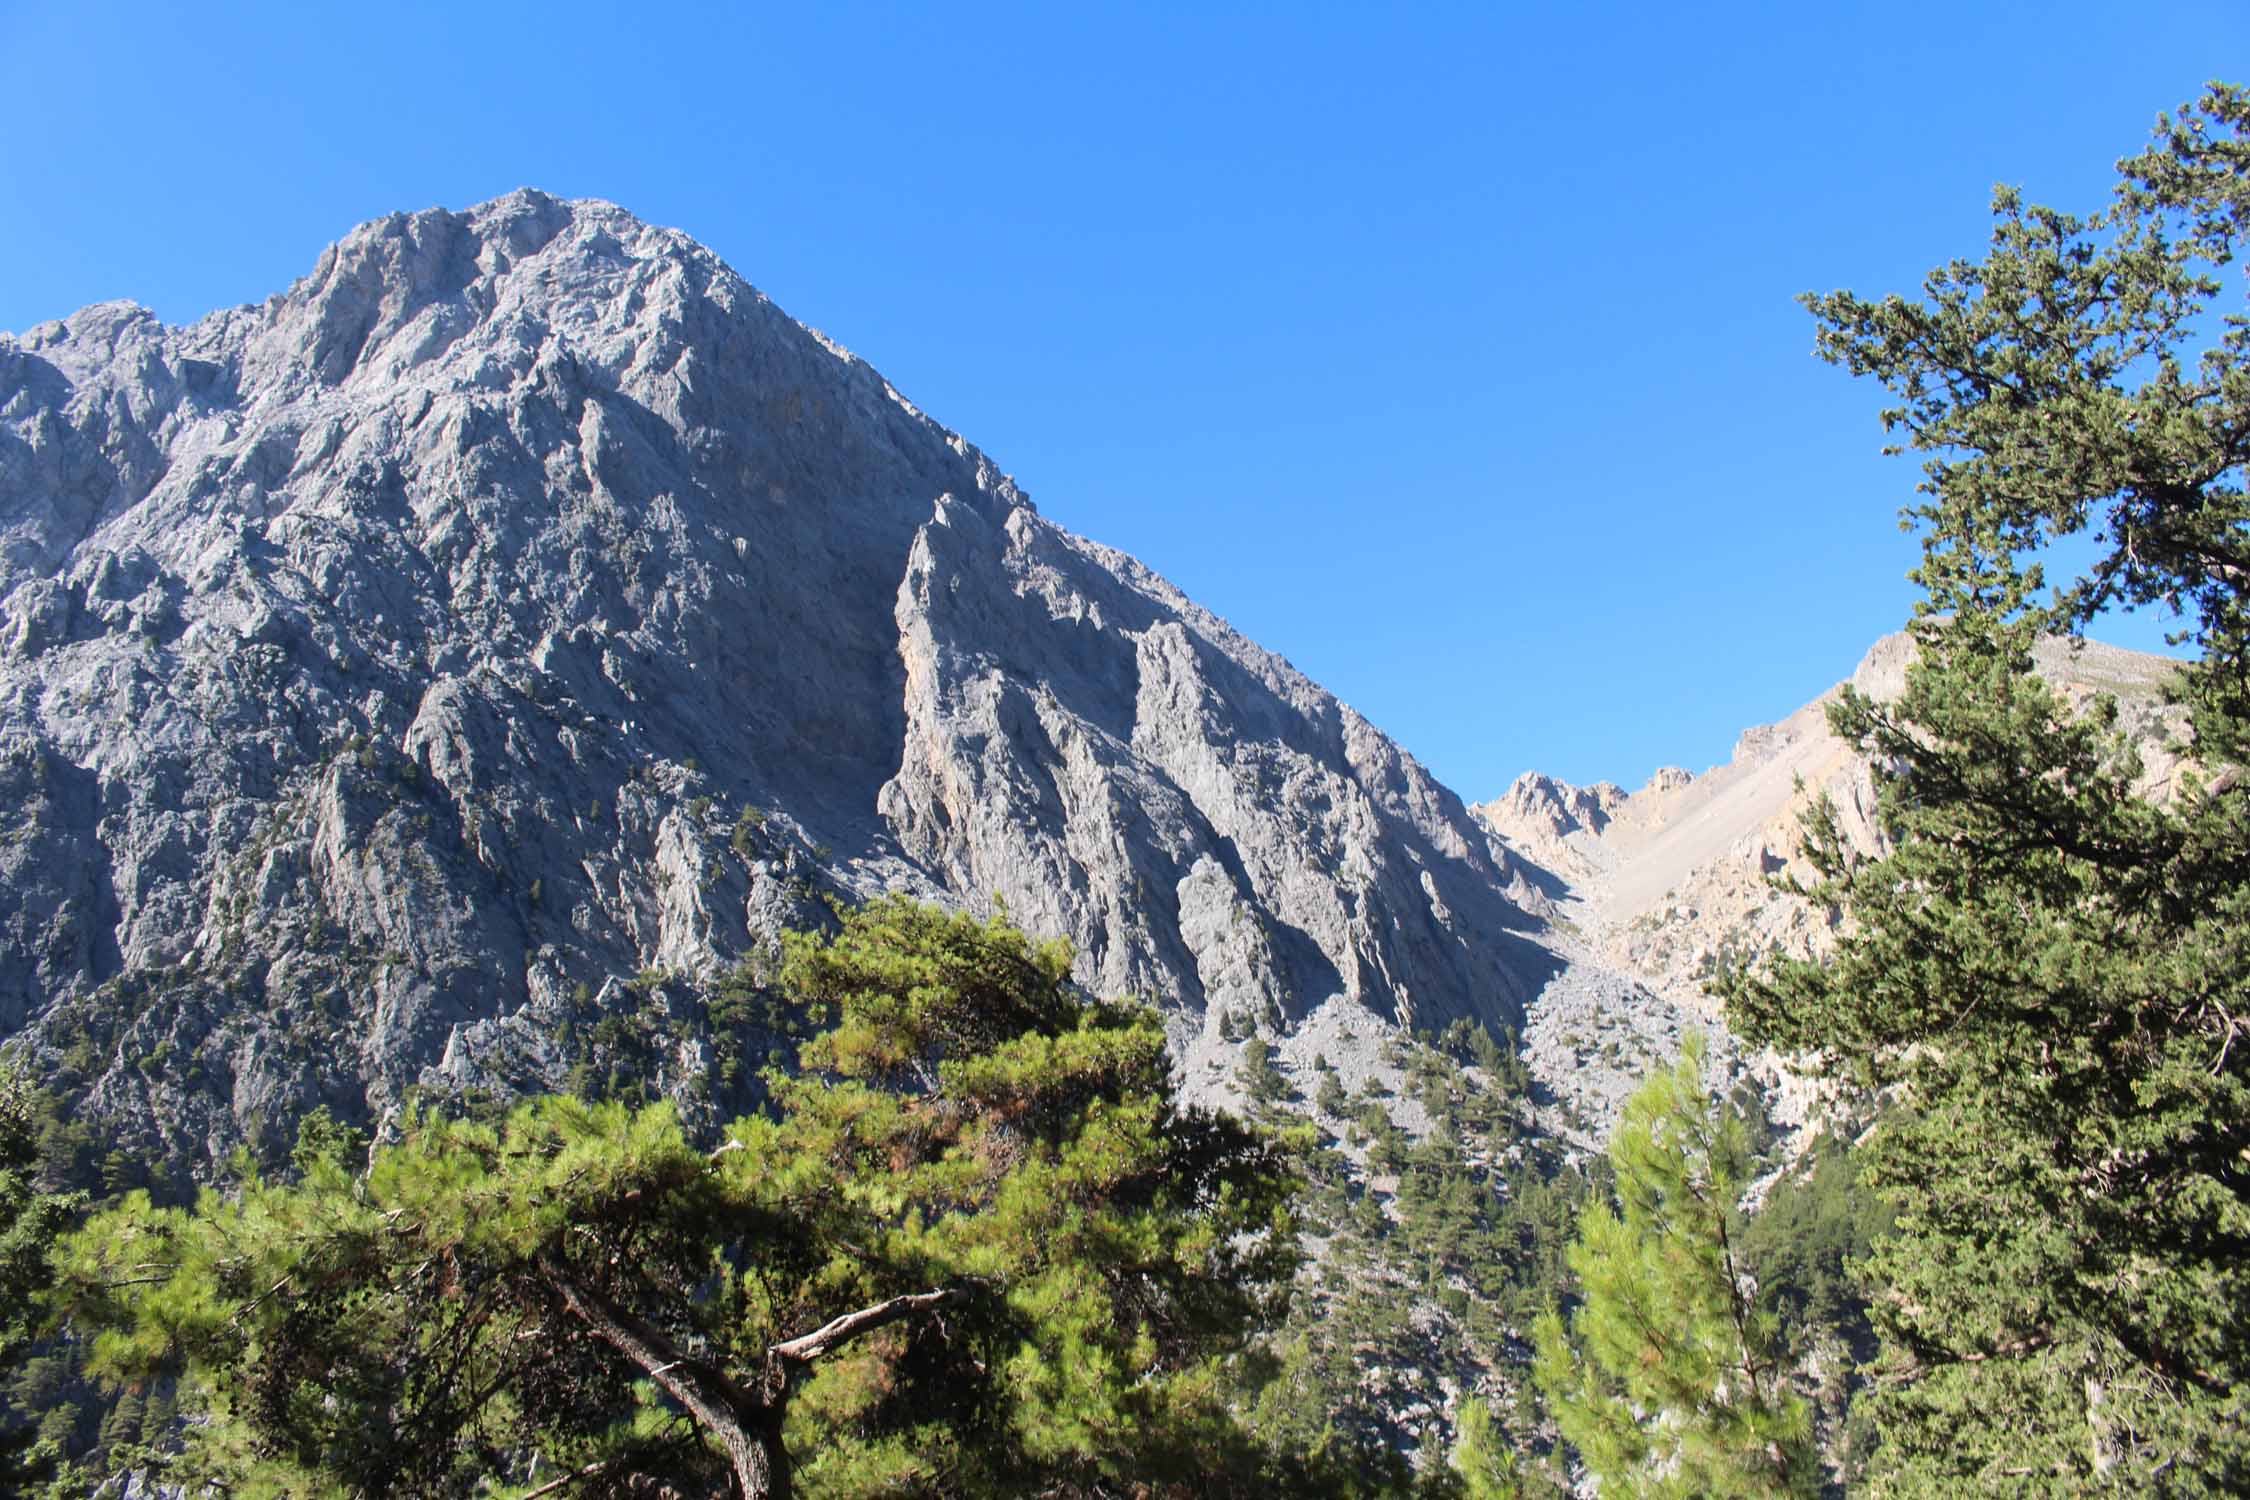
x=738 y=1418
x=811 y=1346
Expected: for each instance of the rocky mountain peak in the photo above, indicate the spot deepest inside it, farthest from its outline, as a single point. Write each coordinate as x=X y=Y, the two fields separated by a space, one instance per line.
x=511 y=627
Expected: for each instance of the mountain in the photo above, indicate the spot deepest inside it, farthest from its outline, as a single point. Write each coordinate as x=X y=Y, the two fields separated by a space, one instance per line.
x=1665 y=882
x=509 y=629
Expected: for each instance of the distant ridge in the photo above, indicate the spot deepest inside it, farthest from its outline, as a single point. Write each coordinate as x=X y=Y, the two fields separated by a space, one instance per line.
x=1664 y=880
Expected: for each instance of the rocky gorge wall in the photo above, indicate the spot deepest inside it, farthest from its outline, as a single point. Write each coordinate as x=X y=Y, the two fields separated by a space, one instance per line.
x=520 y=620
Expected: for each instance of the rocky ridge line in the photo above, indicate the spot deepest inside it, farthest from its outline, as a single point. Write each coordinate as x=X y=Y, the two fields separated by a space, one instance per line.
x=1664 y=884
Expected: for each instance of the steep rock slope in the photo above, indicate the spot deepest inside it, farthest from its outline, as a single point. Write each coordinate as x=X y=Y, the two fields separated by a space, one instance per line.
x=1664 y=882
x=522 y=603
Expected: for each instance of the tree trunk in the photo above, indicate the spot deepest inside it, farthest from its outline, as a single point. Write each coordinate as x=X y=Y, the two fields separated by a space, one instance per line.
x=748 y=1427
x=747 y=1423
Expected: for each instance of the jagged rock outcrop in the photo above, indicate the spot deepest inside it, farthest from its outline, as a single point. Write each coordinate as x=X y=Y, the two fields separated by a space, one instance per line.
x=521 y=603
x=1652 y=890
x=1666 y=882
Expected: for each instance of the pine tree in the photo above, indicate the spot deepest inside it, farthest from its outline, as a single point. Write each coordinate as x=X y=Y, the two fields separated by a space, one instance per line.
x=977 y=1248
x=1665 y=1379
x=1261 y=1081
x=30 y=1222
x=1486 y=1464
x=2050 y=973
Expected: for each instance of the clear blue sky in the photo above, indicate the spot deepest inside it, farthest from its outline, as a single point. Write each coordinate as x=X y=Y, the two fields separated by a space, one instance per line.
x=1448 y=350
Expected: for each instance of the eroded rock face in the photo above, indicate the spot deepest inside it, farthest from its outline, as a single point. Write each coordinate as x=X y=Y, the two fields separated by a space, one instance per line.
x=521 y=602
x=1660 y=887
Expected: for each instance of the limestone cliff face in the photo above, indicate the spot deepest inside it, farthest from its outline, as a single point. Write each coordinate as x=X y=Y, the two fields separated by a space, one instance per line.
x=521 y=603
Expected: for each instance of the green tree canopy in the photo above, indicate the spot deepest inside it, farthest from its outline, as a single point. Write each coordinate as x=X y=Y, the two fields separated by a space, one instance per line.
x=1484 y=1462
x=1665 y=1379
x=977 y=1248
x=2051 y=972
x=30 y=1222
